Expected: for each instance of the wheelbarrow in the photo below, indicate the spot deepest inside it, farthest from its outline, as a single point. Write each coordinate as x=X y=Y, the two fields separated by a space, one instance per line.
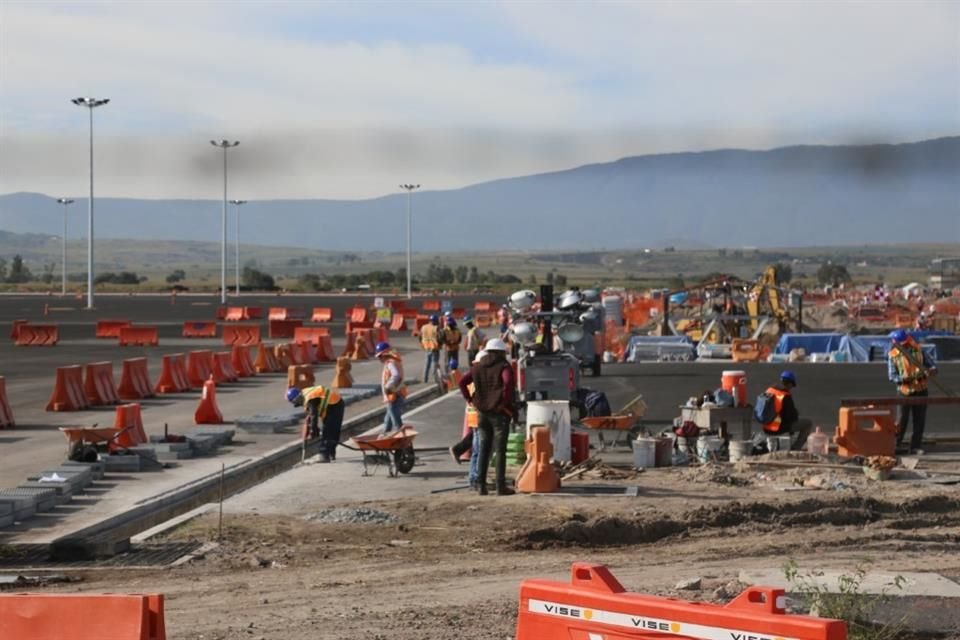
x=395 y=449
x=84 y=443
x=627 y=422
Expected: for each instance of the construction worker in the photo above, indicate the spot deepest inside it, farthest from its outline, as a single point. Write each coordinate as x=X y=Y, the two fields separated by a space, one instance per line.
x=430 y=341
x=910 y=368
x=503 y=320
x=493 y=387
x=392 y=386
x=788 y=419
x=471 y=441
x=475 y=339
x=450 y=339
x=324 y=405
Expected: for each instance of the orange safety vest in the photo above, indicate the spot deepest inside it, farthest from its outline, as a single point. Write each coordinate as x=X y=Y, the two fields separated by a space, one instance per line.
x=428 y=337
x=778 y=397
x=326 y=396
x=473 y=416
x=401 y=390
x=907 y=358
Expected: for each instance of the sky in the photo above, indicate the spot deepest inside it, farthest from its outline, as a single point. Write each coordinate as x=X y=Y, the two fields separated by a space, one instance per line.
x=346 y=100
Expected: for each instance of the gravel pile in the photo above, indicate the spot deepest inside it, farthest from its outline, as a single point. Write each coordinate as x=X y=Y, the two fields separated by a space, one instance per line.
x=359 y=515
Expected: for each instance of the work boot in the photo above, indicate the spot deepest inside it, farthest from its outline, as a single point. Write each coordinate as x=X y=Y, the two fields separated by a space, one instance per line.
x=482 y=488
x=453 y=454
x=505 y=491
x=323 y=457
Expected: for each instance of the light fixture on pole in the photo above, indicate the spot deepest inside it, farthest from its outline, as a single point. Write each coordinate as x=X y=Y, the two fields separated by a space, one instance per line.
x=66 y=202
x=236 y=247
x=90 y=104
x=224 y=144
x=409 y=188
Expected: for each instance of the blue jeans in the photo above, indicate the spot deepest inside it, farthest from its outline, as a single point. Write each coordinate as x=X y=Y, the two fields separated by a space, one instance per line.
x=474 y=475
x=433 y=359
x=394 y=417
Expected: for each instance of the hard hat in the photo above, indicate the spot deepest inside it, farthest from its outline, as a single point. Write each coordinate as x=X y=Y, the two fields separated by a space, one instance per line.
x=788 y=376
x=898 y=335
x=293 y=394
x=477 y=358
x=467 y=319
x=434 y=318
x=382 y=347
x=451 y=321
x=496 y=344
x=448 y=314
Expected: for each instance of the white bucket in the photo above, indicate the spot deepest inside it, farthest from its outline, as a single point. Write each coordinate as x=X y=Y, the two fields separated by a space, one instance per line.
x=740 y=449
x=554 y=414
x=707 y=446
x=644 y=453
x=778 y=443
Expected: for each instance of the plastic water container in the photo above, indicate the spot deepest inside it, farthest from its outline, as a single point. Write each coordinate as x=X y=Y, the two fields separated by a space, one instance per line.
x=644 y=453
x=554 y=414
x=740 y=449
x=818 y=443
x=735 y=383
x=707 y=447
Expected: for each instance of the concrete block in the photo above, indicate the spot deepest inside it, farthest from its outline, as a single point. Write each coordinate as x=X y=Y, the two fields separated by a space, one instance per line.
x=6 y=508
x=6 y=521
x=43 y=498
x=96 y=468
x=270 y=422
x=223 y=435
x=122 y=463
x=167 y=447
x=201 y=445
x=63 y=491
x=165 y=456
x=144 y=451
x=24 y=504
x=78 y=478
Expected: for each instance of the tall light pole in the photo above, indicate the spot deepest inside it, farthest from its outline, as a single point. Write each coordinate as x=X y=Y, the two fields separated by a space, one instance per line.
x=224 y=144
x=409 y=188
x=237 y=238
x=90 y=104
x=66 y=202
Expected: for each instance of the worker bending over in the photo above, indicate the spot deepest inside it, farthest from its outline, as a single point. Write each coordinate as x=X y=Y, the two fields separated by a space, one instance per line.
x=787 y=420
x=323 y=405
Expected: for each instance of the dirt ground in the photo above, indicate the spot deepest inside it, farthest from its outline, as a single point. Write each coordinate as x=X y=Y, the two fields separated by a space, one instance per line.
x=449 y=566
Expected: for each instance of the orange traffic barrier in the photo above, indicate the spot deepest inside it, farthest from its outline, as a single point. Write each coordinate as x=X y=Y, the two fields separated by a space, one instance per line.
x=595 y=605
x=866 y=431
x=98 y=384
x=143 y=336
x=173 y=376
x=359 y=314
x=199 y=367
x=325 y=352
x=111 y=328
x=129 y=423
x=207 y=411
x=360 y=349
x=199 y=329
x=283 y=328
x=81 y=616
x=281 y=353
x=221 y=313
x=252 y=313
x=300 y=376
x=342 y=378
x=37 y=335
x=266 y=361
x=398 y=322
x=458 y=312
x=283 y=313
x=321 y=314
x=6 y=415
x=15 y=328
x=310 y=334
x=233 y=314
x=409 y=314
x=289 y=354
x=68 y=393
x=306 y=352
x=135 y=380
x=240 y=357
x=241 y=334
x=745 y=350
x=483 y=320
x=223 y=370
x=418 y=322
x=353 y=325
x=538 y=475
x=483 y=307
x=431 y=305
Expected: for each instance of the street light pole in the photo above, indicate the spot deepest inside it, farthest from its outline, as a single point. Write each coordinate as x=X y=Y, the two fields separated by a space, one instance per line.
x=90 y=104
x=237 y=238
x=66 y=202
x=409 y=188
x=224 y=144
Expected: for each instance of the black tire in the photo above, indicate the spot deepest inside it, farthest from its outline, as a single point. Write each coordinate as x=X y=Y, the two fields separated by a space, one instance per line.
x=597 y=365
x=404 y=459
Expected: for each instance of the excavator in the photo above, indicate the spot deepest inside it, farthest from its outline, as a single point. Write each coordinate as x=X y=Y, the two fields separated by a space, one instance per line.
x=764 y=299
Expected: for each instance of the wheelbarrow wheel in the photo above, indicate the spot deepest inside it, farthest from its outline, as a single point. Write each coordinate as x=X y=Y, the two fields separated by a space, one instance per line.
x=404 y=459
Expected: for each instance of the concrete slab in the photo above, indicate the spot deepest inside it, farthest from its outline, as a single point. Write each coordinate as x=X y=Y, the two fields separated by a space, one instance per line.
x=122 y=464
x=875 y=582
x=96 y=468
x=6 y=508
x=43 y=498
x=63 y=491
x=7 y=520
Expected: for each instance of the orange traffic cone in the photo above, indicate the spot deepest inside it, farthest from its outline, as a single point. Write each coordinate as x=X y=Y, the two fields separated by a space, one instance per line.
x=207 y=411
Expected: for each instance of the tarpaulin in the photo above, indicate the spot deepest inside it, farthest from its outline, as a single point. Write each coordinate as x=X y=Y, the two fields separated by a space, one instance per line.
x=809 y=342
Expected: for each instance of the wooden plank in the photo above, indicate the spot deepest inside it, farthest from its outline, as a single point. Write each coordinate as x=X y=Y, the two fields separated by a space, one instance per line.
x=887 y=402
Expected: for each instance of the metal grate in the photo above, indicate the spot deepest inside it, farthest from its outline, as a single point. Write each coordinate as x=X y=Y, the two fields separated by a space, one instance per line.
x=37 y=556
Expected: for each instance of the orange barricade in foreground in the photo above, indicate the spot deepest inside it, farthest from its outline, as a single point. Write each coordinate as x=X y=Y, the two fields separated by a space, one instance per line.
x=135 y=380
x=129 y=422
x=595 y=605
x=15 y=328
x=81 y=616
x=98 y=384
x=322 y=314
x=266 y=361
x=207 y=411
x=283 y=328
x=173 y=376
x=240 y=358
x=111 y=328
x=866 y=431
x=6 y=415
x=199 y=367
x=145 y=336
x=199 y=329
x=241 y=334
x=37 y=335
x=223 y=370
x=68 y=393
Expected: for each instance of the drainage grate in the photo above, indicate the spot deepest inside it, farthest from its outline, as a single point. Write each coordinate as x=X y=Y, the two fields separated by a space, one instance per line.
x=37 y=556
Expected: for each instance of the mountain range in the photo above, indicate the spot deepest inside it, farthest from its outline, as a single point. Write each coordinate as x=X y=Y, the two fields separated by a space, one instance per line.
x=790 y=196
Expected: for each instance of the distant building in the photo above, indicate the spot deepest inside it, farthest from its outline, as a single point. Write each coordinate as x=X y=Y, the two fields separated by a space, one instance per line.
x=945 y=273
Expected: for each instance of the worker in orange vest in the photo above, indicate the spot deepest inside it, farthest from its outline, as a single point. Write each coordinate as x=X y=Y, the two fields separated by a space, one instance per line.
x=392 y=386
x=787 y=420
x=450 y=339
x=910 y=368
x=324 y=405
x=430 y=341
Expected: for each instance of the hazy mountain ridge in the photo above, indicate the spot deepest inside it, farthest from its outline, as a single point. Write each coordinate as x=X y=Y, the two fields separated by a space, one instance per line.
x=790 y=196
